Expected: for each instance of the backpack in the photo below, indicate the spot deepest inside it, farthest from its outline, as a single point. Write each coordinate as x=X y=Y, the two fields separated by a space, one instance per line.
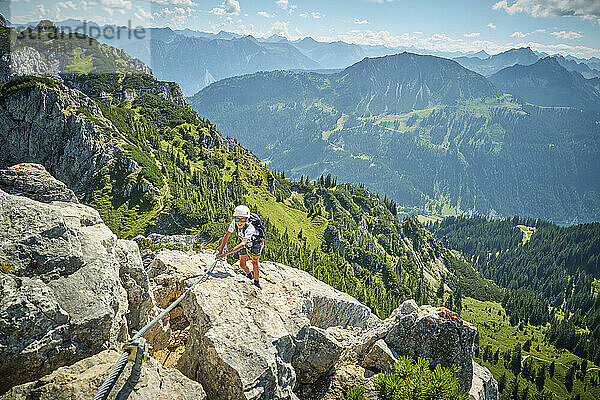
x=258 y=225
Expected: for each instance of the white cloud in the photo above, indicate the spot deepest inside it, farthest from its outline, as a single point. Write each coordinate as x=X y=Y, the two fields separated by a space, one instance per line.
x=280 y=28
x=443 y=42
x=315 y=15
x=360 y=21
x=265 y=14
x=567 y=35
x=586 y=9
x=472 y=34
x=67 y=4
x=282 y=3
x=188 y=3
x=491 y=26
x=177 y=16
x=522 y=35
x=562 y=48
x=246 y=30
x=124 y=4
x=381 y=1
x=229 y=7
x=418 y=33
x=143 y=14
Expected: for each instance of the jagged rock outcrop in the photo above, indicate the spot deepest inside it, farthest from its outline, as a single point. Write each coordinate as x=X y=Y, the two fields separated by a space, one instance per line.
x=67 y=282
x=166 y=90
x=246 y=343
x=438 y=335
x=243 y=341
x=484 y=385
x=23 y=61
x=33 y=181
x=60 y=128
x=81 y=380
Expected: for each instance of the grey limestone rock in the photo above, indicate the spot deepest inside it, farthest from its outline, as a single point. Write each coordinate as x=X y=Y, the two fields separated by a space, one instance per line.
x=484 y=386
x=66 y=286
x=81 y=380
x=437 y=335
x=245 y=342
x=47 y=126
x=33 y=181
x=380 y=358
x=316 y=353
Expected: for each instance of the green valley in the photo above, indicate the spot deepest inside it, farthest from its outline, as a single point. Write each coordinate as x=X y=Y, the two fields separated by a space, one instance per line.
x=498 y=340
x=443 y=141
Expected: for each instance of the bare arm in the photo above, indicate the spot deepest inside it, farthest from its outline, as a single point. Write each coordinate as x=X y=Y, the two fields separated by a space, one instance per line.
x=224 y=242
x=238 y=247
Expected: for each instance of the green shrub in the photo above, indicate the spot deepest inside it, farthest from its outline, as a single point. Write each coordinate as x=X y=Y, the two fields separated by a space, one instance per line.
x=4 y=267
x=25 y=82
x=355 y=393
x=415 y=380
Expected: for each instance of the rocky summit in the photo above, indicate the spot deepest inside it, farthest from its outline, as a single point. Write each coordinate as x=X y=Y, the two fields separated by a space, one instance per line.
x=72 y=293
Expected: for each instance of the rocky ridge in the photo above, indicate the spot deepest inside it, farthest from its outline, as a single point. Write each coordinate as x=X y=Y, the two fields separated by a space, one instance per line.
x=48 y=122
x=58 y=127
x=42 y=50
x=71 y=289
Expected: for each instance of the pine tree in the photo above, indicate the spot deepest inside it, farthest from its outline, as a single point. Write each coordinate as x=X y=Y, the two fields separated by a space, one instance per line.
x=440 y=291
x=514 y=393
x=502 y=382
x=551 y=369
x=515 y=361
x=569 y=377
x=540 y=377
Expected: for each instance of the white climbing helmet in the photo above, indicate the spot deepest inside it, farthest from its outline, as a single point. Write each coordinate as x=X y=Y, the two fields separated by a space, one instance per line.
x=241 y=211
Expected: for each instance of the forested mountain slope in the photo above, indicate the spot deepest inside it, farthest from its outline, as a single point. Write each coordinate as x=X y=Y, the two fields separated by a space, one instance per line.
x=551 y=273
x=547 y=83
x=428 y=133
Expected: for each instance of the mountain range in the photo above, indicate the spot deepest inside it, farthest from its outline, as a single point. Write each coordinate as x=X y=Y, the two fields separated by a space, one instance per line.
x=526 y=56
x=431 y=134
x=196 y=59
x=548 y=83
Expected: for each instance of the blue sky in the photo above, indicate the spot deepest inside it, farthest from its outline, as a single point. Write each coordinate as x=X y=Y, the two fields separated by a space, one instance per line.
x=553 y=26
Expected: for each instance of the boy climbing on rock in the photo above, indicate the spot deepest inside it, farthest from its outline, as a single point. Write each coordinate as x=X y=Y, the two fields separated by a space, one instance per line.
x=250 y=230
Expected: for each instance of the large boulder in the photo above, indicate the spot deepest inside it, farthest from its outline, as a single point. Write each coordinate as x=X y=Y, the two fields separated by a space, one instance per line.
x=380 y=358
x=250 y=343
x=66 y=282
x=316 y=353
x=33 y=181
x=81 y=380
x=437 y=335
x=484 y=386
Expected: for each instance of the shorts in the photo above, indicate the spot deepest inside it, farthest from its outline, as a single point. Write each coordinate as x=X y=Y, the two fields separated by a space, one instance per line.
x=255 y=248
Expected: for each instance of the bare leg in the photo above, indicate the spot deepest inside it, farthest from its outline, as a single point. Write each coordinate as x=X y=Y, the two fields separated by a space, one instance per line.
x=255 y=266
x=243 y=259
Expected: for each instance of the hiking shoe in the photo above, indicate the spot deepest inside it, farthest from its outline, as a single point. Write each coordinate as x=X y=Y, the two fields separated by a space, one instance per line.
x=257 y=284
x=250 y=275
